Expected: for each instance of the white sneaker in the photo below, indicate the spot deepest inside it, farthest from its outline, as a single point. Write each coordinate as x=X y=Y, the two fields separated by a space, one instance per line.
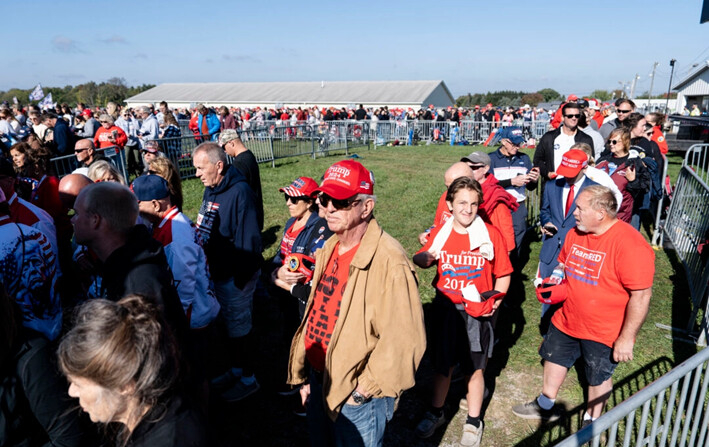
x=472 y=435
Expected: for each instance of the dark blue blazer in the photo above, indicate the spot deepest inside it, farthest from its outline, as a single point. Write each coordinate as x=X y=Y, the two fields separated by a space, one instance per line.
x=552 y=211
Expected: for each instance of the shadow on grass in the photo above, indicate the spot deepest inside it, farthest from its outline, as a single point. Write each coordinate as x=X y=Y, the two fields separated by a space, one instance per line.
x=270 y=235
x=552 y=433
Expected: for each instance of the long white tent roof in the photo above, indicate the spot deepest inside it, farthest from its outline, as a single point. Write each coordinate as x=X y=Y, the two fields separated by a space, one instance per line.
x=369 y=92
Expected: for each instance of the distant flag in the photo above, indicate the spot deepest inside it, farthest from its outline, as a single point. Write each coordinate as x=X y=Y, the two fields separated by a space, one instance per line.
x=47 y=102
x=37 y=93
x=14 y=100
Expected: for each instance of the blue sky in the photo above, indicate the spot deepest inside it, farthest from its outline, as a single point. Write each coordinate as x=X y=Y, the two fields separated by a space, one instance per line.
x=473 y=46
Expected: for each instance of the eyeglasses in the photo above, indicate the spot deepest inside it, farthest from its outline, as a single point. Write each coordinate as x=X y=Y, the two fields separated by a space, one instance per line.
x=614 y=142
x=476 y=167
x=338 y=204
x=295 y=200
x=78 y=151
x=574 y=115
x=623 y=111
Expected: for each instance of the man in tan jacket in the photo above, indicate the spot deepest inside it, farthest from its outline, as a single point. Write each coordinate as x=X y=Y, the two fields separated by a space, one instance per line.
x=363 y=334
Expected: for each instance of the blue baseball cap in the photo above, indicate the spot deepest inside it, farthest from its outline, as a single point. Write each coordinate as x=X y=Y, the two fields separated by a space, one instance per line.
x=514 y=134
x=150 y=187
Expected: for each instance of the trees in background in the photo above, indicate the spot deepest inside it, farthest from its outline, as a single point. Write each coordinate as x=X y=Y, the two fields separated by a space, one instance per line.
x=89 y=93
x=509 y=98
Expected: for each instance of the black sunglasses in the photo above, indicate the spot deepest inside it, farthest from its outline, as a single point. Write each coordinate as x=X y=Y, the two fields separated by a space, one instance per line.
x=338 y=204
x=295 y=200
x=476 y=167
x=575 y=115
x=623 y=111
x=614 y=142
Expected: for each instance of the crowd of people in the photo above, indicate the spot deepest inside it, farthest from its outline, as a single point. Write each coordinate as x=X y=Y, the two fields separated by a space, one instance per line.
x=110 y=279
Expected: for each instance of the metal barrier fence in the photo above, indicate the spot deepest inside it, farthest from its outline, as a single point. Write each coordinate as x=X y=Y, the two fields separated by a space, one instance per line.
x=674 y=412
x=382 y=132
x=66 y=164
x=474 y=132
x=657 y=229
x=687 y=227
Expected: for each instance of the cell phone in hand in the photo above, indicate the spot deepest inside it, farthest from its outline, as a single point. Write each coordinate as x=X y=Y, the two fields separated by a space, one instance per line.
x=551 y=229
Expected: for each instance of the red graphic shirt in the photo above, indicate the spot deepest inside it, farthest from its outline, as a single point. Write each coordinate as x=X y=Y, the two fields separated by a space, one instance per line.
x=458 y=267
x=326 y=307
x=600 y=271
x=288 y=240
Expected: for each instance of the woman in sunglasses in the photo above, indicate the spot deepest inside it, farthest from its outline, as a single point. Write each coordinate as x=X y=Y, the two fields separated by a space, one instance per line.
x=656 y=121
x=627 y=171
x=292 y=267
x=473 y=275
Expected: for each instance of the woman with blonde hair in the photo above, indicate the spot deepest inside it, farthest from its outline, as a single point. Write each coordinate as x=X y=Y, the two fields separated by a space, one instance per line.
x=166 y=169
x=104 y=171
x=123 y=365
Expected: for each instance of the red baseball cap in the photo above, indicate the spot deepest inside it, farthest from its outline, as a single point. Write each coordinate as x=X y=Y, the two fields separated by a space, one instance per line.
x=87 y=112
x=572 y=162
x=550 y=292
x=345 y=179
x=572 y=98
x=301 y=187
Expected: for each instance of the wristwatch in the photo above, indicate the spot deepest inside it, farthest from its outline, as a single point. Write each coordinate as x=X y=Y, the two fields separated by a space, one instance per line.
x=359 y=398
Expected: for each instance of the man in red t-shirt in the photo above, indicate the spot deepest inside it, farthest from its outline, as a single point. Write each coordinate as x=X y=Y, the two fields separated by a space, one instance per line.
x=609 y=269
x=363 y=334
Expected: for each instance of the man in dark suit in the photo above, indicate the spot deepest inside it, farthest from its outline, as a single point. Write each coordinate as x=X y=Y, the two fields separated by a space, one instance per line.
x=556 y=213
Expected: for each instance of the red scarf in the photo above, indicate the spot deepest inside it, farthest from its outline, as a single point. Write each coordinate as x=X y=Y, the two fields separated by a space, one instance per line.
x=494 y=194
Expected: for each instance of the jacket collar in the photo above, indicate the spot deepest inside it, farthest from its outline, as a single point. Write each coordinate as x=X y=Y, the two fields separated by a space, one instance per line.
x=368 y=245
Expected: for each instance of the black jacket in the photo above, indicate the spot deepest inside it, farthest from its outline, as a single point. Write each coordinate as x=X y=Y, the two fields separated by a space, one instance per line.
x=140 y=267
x=35 y=409
x=544 y=154
x=173 y=424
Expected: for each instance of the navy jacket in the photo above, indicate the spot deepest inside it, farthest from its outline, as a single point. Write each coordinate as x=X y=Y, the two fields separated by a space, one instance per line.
x=228 y=225
x=63 y=138
x=312 y=237
x=552 y=211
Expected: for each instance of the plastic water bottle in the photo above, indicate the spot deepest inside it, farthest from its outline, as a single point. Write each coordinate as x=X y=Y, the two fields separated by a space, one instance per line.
x=557 y=275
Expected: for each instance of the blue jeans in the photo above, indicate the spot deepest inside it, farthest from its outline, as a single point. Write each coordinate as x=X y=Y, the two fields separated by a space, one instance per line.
x=236 y=305
x=356 y=425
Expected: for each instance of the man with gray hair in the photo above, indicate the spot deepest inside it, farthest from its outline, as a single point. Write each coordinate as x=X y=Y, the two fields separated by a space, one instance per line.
x=363 y=335
x=150 y=128
x=228 y=226
x=608 y=273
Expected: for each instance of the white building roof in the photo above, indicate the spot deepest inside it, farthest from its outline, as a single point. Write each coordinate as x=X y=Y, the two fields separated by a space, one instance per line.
x=325 y=93
x=695 y=82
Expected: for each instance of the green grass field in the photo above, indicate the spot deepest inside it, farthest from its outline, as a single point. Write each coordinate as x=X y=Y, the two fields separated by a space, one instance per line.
x=409 y=181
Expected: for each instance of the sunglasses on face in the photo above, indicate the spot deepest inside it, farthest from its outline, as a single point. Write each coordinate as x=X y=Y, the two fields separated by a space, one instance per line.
x=338 y=204
x=574 y=115
x=78 y=151
x=614 y=142
x=294 y=200
x=476 y=167
x=623 y=111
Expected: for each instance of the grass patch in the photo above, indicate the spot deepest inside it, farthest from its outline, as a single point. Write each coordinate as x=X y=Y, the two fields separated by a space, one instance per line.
x=409 y=181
